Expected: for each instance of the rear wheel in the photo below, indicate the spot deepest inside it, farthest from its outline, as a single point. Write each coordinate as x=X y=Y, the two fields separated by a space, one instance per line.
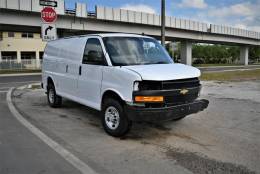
x=114 y=120
x=53 y=99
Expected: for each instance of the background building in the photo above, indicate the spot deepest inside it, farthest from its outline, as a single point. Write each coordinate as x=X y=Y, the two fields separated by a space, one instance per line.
x=22 y=46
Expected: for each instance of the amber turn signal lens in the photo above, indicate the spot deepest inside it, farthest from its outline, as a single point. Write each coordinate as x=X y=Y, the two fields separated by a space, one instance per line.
x=149 y=98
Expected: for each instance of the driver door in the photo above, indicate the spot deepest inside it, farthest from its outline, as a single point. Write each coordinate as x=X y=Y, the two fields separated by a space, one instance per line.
x=91 y=72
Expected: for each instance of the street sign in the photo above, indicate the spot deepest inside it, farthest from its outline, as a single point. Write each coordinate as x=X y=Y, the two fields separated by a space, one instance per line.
x=48 y=15
x=48 y=3
x=49 y=32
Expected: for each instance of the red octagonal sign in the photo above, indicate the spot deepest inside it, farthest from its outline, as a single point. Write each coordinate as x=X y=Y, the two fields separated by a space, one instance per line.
x=48 y=15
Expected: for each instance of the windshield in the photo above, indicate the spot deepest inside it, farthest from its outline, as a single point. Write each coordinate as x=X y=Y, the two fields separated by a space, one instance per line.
x=135 y=51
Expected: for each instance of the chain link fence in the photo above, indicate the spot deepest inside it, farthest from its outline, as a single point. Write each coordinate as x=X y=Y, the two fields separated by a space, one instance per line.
x=20 y=65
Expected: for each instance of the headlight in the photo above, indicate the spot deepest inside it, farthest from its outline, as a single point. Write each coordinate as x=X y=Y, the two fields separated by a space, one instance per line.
x=136 y=86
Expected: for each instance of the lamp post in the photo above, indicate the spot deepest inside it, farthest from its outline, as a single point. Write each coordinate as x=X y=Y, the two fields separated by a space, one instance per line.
x=163 y=22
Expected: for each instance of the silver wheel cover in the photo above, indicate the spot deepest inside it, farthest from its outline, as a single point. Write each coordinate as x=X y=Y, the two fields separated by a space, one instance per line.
x=51 y=96
x=112 y=118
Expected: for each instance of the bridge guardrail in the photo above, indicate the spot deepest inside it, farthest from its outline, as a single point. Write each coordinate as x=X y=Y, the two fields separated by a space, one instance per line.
x=220 y=29
x=122 y=15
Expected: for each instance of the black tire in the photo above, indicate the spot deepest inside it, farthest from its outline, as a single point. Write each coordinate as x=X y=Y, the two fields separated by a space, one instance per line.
x=56 y=101
x=124 y=124
x=179 y=118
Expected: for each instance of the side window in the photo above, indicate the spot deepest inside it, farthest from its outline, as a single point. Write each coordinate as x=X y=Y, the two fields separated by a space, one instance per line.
x=93 y=53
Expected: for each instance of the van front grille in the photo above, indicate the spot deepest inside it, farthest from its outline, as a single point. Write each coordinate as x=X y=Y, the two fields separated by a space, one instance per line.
x=180 y=84
x=170 y=84
x=174 y=98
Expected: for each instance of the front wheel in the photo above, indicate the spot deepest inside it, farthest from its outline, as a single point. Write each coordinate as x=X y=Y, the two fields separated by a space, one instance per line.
x=114 y=120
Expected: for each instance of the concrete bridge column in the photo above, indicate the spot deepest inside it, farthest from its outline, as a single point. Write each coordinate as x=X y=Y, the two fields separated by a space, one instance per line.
x=186 y=52
x=19 y=59
x=38 y=63
x=244 y=55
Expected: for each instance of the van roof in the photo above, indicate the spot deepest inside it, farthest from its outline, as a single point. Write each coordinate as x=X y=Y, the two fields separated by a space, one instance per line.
x=119 y=35
x=108 y=35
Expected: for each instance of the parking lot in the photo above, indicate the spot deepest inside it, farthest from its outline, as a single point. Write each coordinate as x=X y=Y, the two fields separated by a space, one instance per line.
x=225 y=138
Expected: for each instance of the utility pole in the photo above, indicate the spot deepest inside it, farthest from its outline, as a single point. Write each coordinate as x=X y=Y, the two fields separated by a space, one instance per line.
x=163 y=22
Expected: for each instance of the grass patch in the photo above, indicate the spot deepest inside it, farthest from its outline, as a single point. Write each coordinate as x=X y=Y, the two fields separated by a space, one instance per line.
x=232 y=75
x=209 y=65
x=35 y=86
x=19 y=71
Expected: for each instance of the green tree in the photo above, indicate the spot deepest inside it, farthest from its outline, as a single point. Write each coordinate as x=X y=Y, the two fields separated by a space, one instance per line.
x=254 y=53
x=214 y=53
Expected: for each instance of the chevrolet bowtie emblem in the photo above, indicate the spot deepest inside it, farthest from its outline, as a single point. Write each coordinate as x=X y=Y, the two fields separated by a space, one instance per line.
x=184 y=91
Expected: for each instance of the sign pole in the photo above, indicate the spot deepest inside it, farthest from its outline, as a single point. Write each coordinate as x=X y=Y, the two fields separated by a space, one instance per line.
x=163 y=22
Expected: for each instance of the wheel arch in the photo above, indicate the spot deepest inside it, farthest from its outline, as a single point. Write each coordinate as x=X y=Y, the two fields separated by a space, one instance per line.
x=111 y=94
x=49 y=81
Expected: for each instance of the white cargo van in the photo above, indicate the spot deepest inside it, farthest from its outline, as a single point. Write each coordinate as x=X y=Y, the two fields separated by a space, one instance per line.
x=127 y=77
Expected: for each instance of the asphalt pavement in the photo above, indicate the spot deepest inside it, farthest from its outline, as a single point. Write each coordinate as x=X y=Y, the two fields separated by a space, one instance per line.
x=21 y=152
x=223 y=139
x=221 y=142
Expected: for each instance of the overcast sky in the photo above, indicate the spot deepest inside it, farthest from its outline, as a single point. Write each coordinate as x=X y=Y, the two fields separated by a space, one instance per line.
x=237 y=13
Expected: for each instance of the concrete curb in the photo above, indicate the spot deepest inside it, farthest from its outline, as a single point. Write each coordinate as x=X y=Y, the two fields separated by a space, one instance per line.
x=20 y=74
x=64 y=153
x=230 y=70
x=239 y=66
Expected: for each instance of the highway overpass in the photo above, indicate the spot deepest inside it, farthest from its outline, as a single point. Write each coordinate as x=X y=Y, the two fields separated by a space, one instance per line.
x=24 y=15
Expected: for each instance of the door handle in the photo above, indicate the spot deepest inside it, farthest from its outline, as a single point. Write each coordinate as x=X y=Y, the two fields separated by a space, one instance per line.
x=67 y=67
x=80 y=70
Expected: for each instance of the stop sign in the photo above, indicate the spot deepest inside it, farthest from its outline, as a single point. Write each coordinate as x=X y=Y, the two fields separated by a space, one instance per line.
x=48 y=15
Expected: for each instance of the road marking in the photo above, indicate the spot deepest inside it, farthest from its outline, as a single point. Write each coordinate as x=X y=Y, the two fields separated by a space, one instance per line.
x=20 y=74
x=7 y=87
x=72 y=159
x=19 y=82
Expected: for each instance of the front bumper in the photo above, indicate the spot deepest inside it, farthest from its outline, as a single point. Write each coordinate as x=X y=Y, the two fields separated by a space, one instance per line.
x=135 y=113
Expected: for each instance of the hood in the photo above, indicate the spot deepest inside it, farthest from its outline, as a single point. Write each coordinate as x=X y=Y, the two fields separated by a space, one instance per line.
x=160 y=72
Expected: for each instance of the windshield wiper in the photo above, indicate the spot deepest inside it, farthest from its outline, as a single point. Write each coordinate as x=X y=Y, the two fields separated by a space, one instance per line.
x=159 y=62
x=120 y=64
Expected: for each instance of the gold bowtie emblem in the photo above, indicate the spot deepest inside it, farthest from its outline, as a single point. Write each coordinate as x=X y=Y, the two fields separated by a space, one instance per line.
x=184 y=91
